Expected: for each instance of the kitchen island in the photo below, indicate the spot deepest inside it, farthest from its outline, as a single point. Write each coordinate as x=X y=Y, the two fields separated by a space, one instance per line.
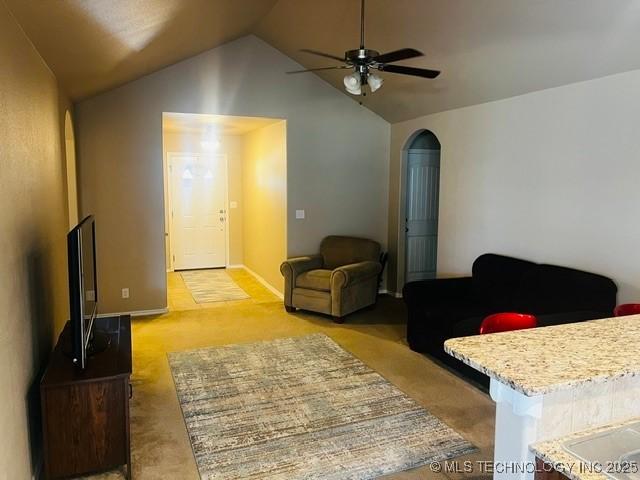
x=554 y=381
x=557 y=459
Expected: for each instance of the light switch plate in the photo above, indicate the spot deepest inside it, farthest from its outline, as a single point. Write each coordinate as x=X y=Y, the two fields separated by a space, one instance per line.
x=299 y=214
x=233 y=204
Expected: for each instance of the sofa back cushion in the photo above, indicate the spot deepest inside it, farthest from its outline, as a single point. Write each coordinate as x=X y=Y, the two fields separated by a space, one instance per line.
x=553 y=289
x=496 y=279
x=337 y=251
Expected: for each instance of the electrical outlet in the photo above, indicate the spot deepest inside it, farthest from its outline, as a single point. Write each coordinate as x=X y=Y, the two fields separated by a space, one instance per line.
x=125 y=293
x=300 y=214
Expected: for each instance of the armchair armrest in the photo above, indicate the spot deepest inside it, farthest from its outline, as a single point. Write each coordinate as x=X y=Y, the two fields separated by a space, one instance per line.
x=349 y=274
x=298 y=265
x=423 y=291
x=293 y=267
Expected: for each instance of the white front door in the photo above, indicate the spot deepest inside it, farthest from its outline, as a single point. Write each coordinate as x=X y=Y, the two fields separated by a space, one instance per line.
x=198 y=211
x=421 y=245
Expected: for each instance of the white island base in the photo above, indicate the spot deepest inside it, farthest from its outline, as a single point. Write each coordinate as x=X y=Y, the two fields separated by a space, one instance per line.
x=523 y=420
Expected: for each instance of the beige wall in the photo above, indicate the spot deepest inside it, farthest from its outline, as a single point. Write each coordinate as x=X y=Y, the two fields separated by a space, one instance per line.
x=265 y=201
x=232 y=147
x=337 y=159
x=551 y=176
x=33 y=219
x=71 y=172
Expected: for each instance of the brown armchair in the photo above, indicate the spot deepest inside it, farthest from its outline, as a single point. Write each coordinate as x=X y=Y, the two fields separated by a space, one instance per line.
x=339 y=280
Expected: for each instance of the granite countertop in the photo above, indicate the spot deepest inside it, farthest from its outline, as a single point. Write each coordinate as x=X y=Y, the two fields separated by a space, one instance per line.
x=554 y=454
x=543 y=360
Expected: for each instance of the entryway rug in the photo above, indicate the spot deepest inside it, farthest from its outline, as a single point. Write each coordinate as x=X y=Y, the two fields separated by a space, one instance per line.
x=212 y=286
x=301 y=408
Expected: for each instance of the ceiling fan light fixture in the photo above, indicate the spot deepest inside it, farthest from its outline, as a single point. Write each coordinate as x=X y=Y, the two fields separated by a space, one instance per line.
x=374 y=81
x=353 y=84
x=364 y=60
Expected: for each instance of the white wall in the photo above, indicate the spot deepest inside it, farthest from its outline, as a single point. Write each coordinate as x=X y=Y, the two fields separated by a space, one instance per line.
x=337 y=154
x=550 y=176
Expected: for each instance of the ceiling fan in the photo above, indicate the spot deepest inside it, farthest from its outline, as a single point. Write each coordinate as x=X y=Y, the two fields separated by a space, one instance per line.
x=362 y=61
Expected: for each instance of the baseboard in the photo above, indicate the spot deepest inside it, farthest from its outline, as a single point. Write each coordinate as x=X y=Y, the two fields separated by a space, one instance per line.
x=383 y=291
x=136 y=313
x=236 y=266
x=266 y=284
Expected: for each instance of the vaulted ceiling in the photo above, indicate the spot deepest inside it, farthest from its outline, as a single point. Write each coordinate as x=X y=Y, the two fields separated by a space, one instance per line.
x=95 y=45
x=487 y=49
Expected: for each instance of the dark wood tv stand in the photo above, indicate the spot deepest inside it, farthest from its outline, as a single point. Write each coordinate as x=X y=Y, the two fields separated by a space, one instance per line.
x=85 y=413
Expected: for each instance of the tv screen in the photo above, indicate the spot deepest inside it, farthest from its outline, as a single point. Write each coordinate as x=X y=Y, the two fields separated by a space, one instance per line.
x=83 y=287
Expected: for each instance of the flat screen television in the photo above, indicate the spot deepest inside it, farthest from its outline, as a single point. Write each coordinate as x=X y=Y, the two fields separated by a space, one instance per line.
x=83 y=292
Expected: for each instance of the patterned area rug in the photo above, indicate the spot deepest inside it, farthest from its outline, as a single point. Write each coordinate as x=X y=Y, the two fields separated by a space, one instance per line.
x=212 y=286
x=301 y=408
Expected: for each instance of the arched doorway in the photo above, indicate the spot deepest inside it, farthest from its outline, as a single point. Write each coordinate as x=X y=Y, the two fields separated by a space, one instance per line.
x=72 y=182
x=421 y=202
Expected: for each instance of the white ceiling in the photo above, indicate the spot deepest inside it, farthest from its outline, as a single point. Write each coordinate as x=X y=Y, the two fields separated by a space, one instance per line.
x=486 y=49
x=220 y=124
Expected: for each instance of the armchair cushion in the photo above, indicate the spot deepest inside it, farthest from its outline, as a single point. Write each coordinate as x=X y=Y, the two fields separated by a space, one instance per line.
x=317 y=279
x=338 y=251
x=356 y=272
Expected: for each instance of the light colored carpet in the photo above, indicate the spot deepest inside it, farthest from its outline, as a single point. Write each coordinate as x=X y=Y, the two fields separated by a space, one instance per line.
x=208 y=286
x=301 y=407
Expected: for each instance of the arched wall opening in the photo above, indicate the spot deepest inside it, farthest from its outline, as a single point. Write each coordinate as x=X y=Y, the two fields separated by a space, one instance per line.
x=418 y=208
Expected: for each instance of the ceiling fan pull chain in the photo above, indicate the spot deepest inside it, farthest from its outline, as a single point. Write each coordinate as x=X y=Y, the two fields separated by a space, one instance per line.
x=362 y=26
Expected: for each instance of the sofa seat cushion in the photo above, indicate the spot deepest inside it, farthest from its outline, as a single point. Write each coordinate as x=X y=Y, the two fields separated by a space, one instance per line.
x=319 y=279
x=552 y=319
x=467 y=327
x=443 y=316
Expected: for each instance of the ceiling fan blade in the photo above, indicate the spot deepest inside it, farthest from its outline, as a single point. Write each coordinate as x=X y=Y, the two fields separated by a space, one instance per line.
x=322 y=68
x=416 y=72
x=398 y=55
x=322 y=54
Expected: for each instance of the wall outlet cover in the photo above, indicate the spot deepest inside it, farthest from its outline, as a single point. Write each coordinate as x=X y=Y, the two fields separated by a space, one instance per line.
x=233 y=204
x=125 y=293
x=300 y=214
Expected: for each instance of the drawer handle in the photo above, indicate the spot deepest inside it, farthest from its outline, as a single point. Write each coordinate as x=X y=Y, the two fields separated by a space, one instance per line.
x=130 y=391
